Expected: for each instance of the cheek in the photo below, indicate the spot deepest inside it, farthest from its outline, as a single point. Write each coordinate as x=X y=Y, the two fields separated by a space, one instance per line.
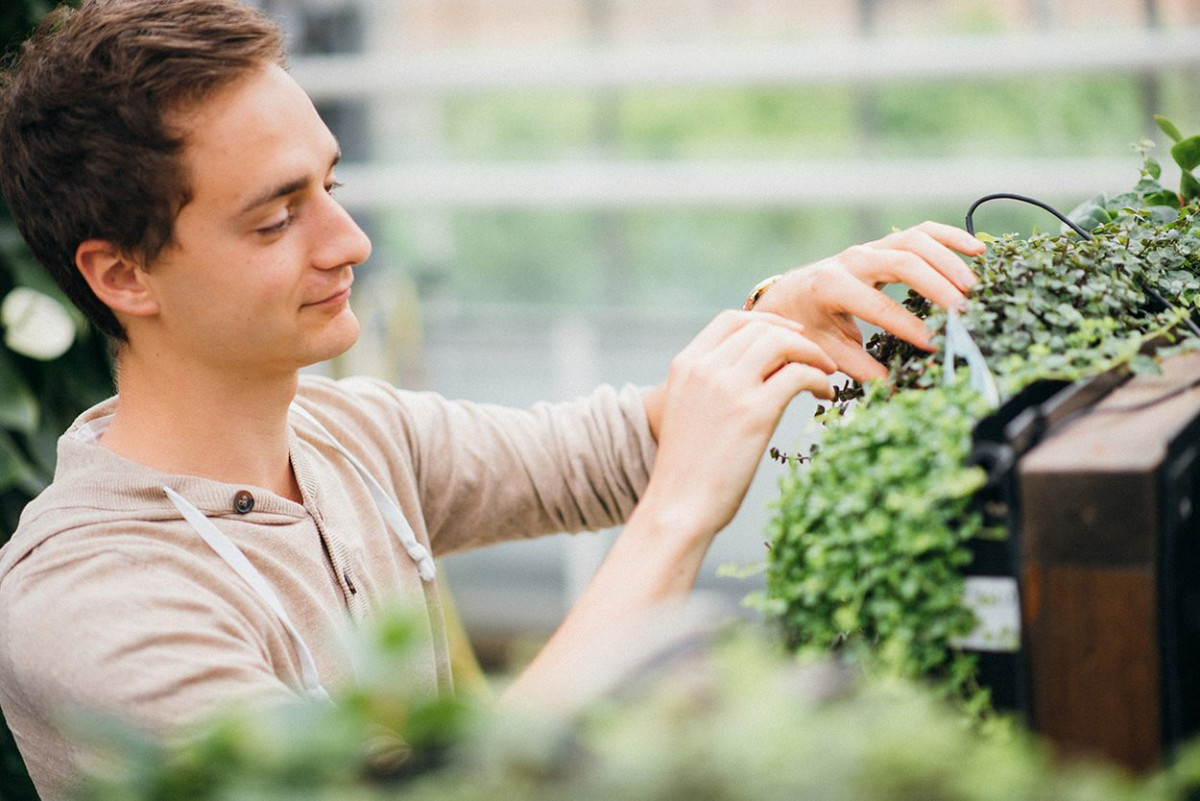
x=237 y=298
x=258 y=282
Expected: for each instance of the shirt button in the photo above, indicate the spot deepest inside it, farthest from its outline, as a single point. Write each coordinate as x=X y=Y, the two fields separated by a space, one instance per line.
x=243 y=502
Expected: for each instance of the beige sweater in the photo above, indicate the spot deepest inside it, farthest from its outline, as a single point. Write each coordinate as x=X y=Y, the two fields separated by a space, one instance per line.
x=109 y=600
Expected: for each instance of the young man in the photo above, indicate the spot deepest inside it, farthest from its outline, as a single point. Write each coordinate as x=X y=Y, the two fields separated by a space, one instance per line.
x=213 y=527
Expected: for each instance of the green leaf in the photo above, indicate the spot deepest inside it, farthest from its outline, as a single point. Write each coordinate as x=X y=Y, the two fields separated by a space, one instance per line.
x=15 y=469
x=1165 y=212
x=1163 y=198
x=1168 y=127
x=1187 y=153
x=1090 y=213
x=18 y=405
x=1189 y=187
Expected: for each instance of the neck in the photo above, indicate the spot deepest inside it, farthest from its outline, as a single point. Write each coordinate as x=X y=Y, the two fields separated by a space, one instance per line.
x=228 y=427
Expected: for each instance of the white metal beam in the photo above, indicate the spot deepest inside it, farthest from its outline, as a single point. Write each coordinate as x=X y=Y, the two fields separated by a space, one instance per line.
x=758 y=184
x=840 y=60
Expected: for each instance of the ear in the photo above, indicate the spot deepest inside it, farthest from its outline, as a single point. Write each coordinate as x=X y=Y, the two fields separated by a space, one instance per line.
x=116 y=277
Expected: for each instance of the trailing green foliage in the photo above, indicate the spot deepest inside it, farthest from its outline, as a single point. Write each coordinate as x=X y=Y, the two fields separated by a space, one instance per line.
x=870 y=538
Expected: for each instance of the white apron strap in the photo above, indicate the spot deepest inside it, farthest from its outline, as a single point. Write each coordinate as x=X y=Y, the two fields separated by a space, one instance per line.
x=383 y=502
x=237 y=560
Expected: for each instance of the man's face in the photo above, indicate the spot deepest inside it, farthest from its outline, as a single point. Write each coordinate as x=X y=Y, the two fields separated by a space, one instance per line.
x=258 y=275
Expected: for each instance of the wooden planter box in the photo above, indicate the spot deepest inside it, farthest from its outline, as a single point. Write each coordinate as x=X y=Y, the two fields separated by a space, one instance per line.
x=1102 y=499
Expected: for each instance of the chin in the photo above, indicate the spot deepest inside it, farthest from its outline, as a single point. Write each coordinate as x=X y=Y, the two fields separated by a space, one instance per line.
x=339 y=338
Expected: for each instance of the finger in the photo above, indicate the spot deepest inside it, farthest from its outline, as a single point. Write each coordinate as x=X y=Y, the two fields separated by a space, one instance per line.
x=951 y=236
x=854 y=361
x=764 y=347
x=901 y=266
x=927 y=250
x=955 y=237
x=772 y=318
x=729 y=322
x=793 y=378
x=842 y=292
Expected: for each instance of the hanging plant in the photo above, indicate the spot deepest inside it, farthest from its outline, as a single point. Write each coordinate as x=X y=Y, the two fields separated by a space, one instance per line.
x=870 y=538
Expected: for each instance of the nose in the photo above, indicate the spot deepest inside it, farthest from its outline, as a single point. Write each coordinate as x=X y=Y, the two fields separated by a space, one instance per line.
x=340 y=240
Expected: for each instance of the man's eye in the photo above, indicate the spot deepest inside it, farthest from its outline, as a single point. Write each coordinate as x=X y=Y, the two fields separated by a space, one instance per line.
x=275 y=228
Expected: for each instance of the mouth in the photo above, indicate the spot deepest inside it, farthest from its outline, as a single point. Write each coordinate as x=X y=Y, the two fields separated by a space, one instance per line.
x=337 y=298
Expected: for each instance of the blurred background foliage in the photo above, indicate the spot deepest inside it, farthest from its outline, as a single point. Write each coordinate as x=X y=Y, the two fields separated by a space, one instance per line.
x=509 y=293
x=38 y=398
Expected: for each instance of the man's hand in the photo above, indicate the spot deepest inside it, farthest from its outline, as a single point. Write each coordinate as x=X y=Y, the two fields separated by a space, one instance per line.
x=827 y=296
x=722 y=399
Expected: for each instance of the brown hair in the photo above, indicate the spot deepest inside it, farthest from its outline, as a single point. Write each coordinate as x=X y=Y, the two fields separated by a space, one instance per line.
x=85 y=148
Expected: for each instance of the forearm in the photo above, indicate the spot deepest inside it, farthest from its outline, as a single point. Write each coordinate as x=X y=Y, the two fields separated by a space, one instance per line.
x=722 y=399
x=651 y=566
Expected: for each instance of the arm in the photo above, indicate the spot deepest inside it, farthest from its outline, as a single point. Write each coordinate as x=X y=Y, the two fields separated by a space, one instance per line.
x=712 y=417
x=723 y=397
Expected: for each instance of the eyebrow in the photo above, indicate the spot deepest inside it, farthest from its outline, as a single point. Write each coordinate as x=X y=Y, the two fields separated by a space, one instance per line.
x=284 y=189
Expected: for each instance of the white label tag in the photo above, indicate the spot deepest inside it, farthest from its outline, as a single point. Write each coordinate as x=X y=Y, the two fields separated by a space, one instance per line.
x=996 y=604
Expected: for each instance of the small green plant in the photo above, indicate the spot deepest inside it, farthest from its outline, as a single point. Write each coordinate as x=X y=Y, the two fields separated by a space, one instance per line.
x=1186 y=153
x=870 y=539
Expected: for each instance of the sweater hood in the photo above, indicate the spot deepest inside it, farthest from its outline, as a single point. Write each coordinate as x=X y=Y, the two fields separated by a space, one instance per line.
x=94 y=485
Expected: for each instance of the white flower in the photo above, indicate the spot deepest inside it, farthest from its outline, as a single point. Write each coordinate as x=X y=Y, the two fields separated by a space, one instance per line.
x=36 y=325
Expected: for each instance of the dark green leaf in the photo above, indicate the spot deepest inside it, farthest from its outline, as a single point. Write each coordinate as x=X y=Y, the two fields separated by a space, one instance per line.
x=16 y=471
x=18 y=405
x=1189 y=187
x=1090 y=213
x=1164 y=198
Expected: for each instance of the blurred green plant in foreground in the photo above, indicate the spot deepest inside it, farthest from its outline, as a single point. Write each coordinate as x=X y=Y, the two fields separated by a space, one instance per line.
x=731 y=717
